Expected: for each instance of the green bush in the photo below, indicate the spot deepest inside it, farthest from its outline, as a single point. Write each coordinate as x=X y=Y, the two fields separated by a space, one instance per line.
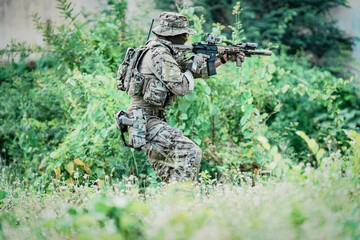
x=46 y=105
x=300 y=25
x=57 y=116
x=307 y=203
x=292 y=127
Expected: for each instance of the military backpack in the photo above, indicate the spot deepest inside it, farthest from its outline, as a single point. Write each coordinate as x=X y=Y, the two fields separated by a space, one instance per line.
x=128 y=76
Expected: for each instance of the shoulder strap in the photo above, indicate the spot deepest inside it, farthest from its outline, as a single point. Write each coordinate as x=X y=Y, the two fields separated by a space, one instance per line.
x=166 y=44
x=143 y=51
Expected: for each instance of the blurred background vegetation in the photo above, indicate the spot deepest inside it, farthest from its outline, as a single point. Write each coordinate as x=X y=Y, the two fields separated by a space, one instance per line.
x=280 y=136
x=56 y=115
x=299 y=25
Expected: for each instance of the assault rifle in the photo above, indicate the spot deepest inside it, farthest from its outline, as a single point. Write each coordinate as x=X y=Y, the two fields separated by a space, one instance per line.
x=211 y=49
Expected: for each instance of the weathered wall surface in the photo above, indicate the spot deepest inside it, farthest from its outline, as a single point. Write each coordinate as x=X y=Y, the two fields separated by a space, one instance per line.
x=16 y=22
x=349 y=20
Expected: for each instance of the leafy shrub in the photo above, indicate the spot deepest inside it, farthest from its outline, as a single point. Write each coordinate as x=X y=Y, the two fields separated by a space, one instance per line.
x=64 y=174
x=58 y=116
x=242 y=112
x=45 y=107
x=300 y=25
x=308 y=203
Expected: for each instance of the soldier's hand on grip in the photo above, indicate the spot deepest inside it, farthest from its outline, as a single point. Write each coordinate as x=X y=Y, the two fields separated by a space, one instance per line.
x=197 y=62
x=233 y=57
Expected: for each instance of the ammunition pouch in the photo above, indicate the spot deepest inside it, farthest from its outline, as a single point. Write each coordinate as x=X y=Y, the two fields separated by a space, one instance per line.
x=137 y=84
x=155 y=93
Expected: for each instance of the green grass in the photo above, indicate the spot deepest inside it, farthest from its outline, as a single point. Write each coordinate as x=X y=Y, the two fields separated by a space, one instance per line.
x=308 y=204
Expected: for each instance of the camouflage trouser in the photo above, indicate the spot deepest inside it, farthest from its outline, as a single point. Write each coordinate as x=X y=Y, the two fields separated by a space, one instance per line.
x=172 y=155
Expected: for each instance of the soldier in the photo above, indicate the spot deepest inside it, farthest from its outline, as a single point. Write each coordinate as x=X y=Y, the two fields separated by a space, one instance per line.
x=156 y=78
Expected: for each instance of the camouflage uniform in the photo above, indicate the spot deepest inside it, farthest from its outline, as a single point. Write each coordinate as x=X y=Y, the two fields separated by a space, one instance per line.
x=172 y=155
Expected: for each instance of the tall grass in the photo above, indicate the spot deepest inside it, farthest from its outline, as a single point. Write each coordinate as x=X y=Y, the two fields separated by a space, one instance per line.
x=313 y=203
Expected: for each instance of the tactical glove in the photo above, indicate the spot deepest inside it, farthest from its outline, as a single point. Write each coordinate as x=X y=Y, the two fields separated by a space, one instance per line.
x=197 y=62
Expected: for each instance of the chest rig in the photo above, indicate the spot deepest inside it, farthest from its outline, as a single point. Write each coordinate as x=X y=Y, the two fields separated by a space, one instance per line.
x=135 y=83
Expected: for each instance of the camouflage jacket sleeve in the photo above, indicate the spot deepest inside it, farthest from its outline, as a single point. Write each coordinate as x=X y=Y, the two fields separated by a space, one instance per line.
x=167 y=70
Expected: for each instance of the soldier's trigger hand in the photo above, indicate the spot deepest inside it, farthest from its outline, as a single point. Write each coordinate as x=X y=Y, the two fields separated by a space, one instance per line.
x=197 y=62
x=199 y=57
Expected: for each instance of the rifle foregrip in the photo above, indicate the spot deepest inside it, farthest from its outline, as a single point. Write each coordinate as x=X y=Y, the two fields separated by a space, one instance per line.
x=238 y=62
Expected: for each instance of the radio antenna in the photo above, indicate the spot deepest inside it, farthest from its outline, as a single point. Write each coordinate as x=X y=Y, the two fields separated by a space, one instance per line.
x=152 y=22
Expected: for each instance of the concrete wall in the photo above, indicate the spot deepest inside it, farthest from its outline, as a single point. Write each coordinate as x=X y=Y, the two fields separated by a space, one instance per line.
x=349 y=20
x=16 y=21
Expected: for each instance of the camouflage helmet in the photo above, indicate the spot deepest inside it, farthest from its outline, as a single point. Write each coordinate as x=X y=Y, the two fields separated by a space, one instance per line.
x=172 y=24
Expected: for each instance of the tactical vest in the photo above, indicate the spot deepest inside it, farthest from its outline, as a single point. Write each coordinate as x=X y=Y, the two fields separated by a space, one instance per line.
x=135 y=83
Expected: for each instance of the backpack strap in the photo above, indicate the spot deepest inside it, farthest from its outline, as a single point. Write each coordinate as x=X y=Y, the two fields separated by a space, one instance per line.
x=141 y=53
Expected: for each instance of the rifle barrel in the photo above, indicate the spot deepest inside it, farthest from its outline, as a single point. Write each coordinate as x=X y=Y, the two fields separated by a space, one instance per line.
x=259 y=52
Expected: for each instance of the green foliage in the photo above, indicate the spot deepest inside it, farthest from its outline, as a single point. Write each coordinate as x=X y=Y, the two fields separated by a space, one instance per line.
x=281 y=134
x=354 y=154
x=57 y=112
x=300 y=25
x=242 y=112
x=309 y=203
x=47 y=103
x=115 y=217
x=167 y=5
